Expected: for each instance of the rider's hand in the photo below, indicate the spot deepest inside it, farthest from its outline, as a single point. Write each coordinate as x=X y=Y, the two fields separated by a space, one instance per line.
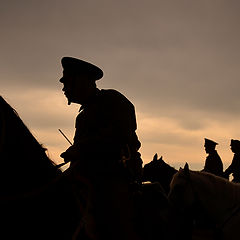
x=71 y=154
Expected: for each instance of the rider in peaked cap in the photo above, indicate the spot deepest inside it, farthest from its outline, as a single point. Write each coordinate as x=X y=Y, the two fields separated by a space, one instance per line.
x=235 y=142
x=74 y=65
x=213 y=162
x=105 y=148
x=209 y=142
x=234 y=167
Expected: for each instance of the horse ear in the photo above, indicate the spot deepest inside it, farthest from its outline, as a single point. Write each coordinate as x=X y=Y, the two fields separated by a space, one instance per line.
x=160 y=159
x=186 y=169
x=155 y=157
x=180 y=168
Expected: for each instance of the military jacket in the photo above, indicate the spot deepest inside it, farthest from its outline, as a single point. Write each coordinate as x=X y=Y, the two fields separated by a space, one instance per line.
x=213 y=164
x=234 y=168
x=106 y=123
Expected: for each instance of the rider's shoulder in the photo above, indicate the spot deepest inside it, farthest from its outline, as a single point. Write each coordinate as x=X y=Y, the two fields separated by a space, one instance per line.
x=113 y=95
x=110 y=92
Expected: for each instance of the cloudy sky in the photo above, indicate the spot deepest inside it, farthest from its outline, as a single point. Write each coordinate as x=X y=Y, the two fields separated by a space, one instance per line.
x=176 y=60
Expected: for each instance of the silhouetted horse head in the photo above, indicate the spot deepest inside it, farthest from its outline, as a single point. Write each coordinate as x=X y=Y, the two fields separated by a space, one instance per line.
x=24 y=160
x=158 y=171
x=35 y=201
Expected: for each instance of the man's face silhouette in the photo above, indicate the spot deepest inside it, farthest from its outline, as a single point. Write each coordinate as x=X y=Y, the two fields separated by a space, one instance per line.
x=209 y=148
x=75 y=87
x=234 y=148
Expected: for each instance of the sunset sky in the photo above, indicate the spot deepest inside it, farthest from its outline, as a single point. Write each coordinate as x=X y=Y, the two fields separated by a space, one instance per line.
x=176 y=60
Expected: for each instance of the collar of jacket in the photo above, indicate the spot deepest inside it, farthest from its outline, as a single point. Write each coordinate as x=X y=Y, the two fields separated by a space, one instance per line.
x=91 y=100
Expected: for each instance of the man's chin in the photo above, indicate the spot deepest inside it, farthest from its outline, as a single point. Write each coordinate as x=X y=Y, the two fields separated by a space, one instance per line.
x=72 y=101
x=68 y=99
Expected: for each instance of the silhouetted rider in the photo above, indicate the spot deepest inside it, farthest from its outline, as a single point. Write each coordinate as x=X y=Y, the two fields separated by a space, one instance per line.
x=105 y=146
x=213 y=162
x=234 y=168
x=106 y=124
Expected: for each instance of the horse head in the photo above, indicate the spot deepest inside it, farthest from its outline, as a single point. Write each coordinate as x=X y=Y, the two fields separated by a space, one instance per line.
x=158 y=171
x=181 y=193
x=149 y=169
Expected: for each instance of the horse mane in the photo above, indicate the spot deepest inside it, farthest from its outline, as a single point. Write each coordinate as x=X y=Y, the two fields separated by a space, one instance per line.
x=14 y=116
x=22 y=156
x=209 y=176
x=219 y=185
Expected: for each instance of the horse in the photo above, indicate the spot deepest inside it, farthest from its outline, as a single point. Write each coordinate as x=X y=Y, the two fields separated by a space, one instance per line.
x=36 y=200
x=211 y=203
x=159 y=171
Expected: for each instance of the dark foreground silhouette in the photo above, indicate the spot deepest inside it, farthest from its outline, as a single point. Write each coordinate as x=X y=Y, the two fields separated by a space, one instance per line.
x=38 y=201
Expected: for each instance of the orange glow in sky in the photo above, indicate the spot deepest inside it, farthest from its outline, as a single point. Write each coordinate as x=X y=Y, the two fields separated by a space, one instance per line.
x=177 y=61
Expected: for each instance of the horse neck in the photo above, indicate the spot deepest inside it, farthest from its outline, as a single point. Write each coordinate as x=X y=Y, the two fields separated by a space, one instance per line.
x=217 y=195
x=23 y=158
